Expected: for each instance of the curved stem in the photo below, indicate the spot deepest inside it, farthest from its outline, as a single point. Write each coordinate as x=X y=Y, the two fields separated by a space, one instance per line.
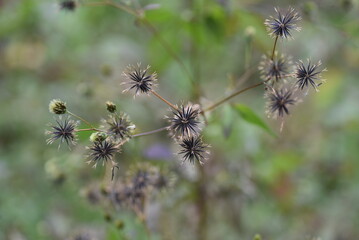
x=232 y=96
x=151 y=29
x=76 y=116
x=275 y=44
x=150 y=132
x=164 y=100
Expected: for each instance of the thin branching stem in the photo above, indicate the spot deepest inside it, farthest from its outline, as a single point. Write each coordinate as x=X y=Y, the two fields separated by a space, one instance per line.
x=82 y=119
x=152 y=29
x=164 y=100
x=150 y=132
x=88 y=129
x=213 y=106
x=274 y=46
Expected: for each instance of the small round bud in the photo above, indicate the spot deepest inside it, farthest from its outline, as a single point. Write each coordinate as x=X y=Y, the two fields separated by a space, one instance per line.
x=106 y=71
x=111 y=107
x=68 y=5
x=57 y=106
x=120 y=224
x=98 y=137
x=108 y=217
x=250 y=31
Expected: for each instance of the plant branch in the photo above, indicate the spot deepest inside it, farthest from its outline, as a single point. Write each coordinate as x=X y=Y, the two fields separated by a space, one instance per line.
x=164 y=100
x=275 y=44
x=150 y=132
x=76 y=116
x=213 y=106
x=140 y=16
x=88 y=129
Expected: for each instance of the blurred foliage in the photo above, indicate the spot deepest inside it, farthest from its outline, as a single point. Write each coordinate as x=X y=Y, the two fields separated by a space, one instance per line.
x=299 y=185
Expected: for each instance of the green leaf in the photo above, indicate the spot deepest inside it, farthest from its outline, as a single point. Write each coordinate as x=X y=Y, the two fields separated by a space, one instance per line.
x=248 y=115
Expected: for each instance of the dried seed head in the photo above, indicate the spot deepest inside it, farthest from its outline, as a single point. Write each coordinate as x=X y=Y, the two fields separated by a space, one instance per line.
x=194 y=149
x=275 y=69
x=185 y=121
x=119 y=127
x=278 y=101
x=57 y=106
x=111 y=107
x=102 y=151
x=139 y=79
x=65 y=131
x=309 y=75
x=98 y=137
x=142 y=176
x=68 y=5
x=283 y=24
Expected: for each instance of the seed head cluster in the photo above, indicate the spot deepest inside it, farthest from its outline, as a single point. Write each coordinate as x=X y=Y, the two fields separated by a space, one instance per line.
x=283 y=24
x=279 y=102
x=274 y=69
x=64 y=131
x=119 y=127
x=68 y=5
x=308 y=74
x=193 y=149
x=138 y=79
x=102 y=152
x=185 y=121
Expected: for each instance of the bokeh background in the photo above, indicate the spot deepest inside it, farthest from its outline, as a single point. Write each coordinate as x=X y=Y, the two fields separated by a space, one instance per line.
x=302 y=184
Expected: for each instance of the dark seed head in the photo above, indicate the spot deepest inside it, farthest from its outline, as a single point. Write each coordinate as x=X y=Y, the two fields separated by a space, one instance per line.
x=193 y=149
x=283 y=24
x=139 y=80
x=279 y=101
x=65 y=131
x=102 y=151
x=308 y=75
x=185 y=122
x=68 y=5
x=275 y=69
x=119 y=127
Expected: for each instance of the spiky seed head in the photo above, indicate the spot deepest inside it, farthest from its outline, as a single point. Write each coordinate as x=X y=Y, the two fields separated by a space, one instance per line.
x=102 y=152
x=142 y=176
x=119 y=127
x=63 y=130
x=139 y=79
x=274 y=69
x=111 y=107
x=185 y=121
x=193 y=149
x=98 y=137
x=57 y=106
x=278 y=101
x=308 y=74
x=68 y=5
x=283 y=24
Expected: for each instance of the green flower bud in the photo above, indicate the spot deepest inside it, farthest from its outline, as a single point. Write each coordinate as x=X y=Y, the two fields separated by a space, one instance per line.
x=57 y=106
x=98 y=137
x=111 y=107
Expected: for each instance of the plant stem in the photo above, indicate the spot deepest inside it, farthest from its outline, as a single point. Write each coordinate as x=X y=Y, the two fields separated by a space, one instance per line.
x=275 y=44
x=88 y=129
x=76 y=116
x=164 y=100
x=151 y=29
x=232 y=96
x=150 y=132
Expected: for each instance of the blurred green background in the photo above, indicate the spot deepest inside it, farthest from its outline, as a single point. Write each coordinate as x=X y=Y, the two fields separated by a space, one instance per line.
x=300 y=185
